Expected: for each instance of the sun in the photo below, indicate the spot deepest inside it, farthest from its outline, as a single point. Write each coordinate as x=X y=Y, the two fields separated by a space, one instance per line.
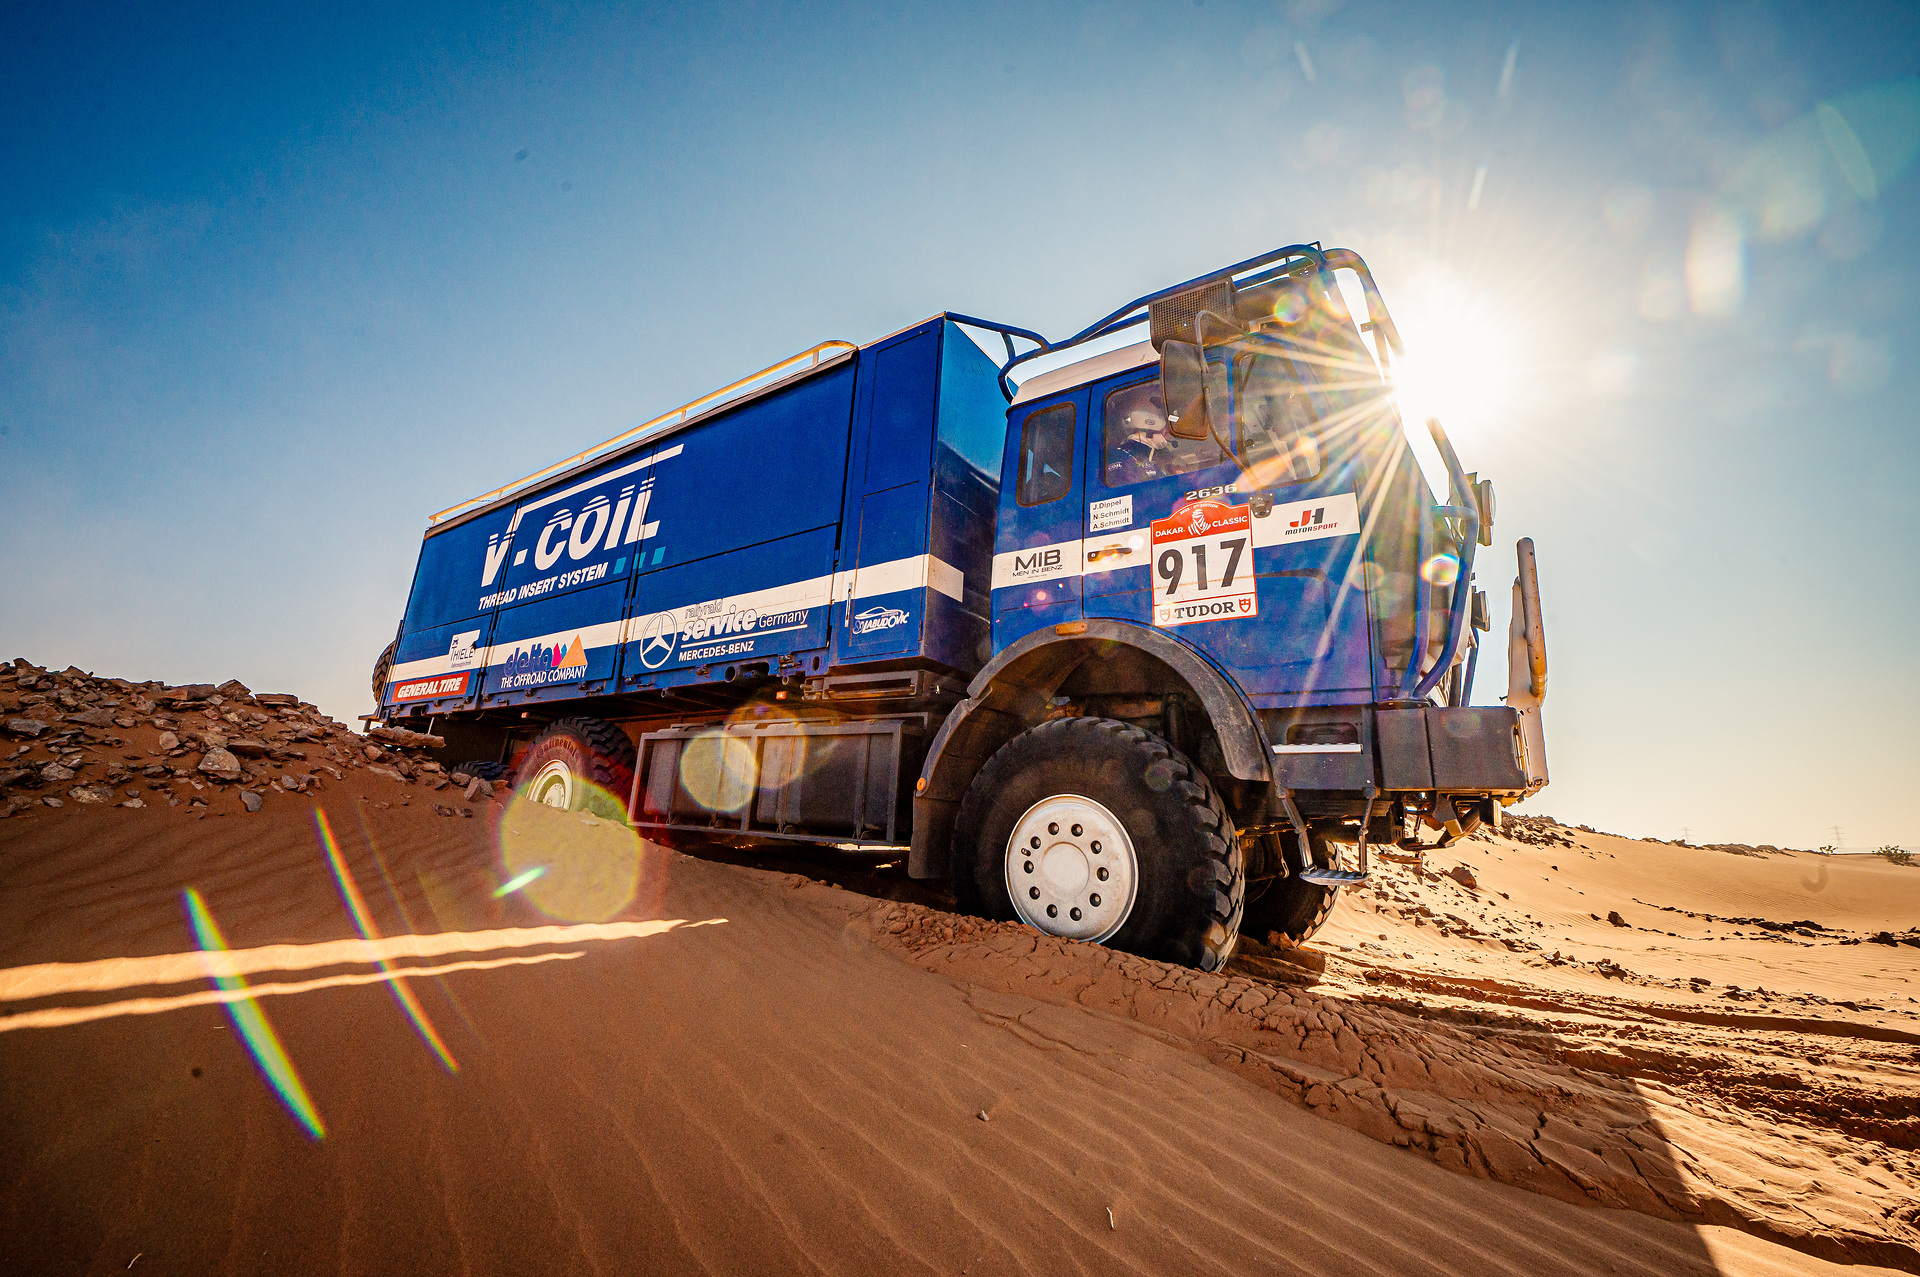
x=1462 y=356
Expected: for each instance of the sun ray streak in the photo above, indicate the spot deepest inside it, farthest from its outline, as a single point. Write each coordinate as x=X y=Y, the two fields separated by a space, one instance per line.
x=363 y=922
x=380 y=863
x=250 y=1022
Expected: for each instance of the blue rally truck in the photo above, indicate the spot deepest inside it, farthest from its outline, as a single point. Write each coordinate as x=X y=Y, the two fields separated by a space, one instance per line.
x=1145 y=649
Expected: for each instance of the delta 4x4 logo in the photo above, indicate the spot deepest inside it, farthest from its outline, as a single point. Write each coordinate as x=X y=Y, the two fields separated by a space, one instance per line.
x=537 y=665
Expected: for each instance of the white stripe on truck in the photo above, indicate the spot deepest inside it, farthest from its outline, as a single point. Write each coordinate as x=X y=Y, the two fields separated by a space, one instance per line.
x=921 y=571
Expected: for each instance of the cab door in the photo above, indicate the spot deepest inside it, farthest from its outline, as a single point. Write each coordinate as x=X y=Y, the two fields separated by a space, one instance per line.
x=1037 y=541
x=1137 y=474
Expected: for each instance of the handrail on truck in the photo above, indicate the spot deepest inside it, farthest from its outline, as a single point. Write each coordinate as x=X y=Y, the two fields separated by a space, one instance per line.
x=811 y=357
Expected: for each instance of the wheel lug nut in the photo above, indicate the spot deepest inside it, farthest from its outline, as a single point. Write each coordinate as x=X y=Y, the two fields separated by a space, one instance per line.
x=1053 y=911
x=1102 y=872
x=1074 y=914
x=1096 y=846
x=1094 y=900
x=1033 y=893
x=1029 y=866
x=1076 y=831
x=1053 y=828
x=1034 y=842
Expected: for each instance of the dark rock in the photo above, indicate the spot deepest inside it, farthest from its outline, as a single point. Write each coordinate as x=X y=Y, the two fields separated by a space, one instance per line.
x=1617 y=920
x=25 y=726
x=247 y=747
x=54 y=772
x=276 y=698
x=1464 y=876
x=250 y=800
x=220 y=764
x=405 y=739
x=233 y=689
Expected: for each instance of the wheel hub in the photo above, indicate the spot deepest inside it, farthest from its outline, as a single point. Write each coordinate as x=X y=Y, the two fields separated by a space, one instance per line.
x=1071 y=869
x=553 y=785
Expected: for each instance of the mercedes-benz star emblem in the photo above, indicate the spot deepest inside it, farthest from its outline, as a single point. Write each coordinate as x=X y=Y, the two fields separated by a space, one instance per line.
x=658 y=638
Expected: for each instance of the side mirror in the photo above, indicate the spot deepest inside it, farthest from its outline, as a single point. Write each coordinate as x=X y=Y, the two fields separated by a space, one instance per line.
x=1183 y=388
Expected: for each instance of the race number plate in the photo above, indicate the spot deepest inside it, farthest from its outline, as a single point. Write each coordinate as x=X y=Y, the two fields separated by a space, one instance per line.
x=1203 y=565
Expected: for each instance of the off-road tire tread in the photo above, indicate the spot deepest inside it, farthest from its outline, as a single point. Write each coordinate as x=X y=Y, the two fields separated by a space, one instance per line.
x=1211 y=934
x=610 y=753
x=383 y=672
x=482 y=769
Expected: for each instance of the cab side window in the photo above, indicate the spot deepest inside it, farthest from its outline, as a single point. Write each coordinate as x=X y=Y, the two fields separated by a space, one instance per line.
x=1137 y=445
x=1280 y=419
x=1046 y=455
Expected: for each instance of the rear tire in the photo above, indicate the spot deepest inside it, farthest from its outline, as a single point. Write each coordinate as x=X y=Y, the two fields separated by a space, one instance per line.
x=1287 y=905
x=579 y=764
x=1173 y=885
x=482 y=769
x=382 y=672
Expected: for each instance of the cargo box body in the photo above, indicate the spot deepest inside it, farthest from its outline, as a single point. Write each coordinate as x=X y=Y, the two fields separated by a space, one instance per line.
x=839 y=520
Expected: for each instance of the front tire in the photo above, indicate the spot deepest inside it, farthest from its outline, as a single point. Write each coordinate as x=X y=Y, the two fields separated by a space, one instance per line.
x=1091 y=829
x=579 y=764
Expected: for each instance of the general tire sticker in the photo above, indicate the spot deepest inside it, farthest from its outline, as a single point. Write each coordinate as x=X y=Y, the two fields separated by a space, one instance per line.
x=427 y=689
x=1203 y=565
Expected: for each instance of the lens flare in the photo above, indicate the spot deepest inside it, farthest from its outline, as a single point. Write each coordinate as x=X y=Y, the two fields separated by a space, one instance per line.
x=518 y=881
x=571 y=865
x=250 y=1022
x=717 y=769
x=363 y=922
x=1441 y=569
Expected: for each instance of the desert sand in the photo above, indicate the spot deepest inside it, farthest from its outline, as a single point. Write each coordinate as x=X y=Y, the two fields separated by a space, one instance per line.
x=638 y=1060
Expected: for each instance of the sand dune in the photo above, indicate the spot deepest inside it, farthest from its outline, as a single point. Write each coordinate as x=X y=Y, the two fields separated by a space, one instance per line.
x=815 y=1080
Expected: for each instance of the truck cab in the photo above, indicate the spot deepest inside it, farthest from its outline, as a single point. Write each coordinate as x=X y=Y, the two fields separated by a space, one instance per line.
x=1219 y=537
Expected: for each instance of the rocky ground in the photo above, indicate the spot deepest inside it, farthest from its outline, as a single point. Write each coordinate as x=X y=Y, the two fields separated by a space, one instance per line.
x=80 y=738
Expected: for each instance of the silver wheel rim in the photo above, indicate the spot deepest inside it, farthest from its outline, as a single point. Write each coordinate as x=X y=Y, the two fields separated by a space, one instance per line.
x=553 y=786
x=1071 y=869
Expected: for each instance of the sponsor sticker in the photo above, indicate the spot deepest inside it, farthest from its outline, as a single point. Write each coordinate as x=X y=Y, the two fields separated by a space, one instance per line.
x=427 y=689
x=1114 y=512
x=878 y=618
x=1203 y=565
x=1311 y=520
x=460 y=653
x=538 y=665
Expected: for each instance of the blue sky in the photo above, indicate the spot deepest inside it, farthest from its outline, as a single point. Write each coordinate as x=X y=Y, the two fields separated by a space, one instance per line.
x=275 y=286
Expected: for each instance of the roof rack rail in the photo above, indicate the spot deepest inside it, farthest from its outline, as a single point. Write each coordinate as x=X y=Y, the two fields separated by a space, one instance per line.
x=1291 y=258
x=810 y=357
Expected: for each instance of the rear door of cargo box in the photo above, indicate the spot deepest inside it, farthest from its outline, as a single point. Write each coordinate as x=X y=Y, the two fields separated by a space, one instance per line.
x=449 y=616
x=883 y=581
x=739 y=570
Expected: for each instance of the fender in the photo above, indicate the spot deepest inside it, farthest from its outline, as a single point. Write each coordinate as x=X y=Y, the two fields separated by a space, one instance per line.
x=1014 y=690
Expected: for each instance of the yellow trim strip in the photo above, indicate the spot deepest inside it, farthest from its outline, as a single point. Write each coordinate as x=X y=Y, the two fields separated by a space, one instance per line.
x=810 y=357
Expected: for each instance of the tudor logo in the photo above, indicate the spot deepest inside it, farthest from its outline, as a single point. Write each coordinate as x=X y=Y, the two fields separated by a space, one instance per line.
x=658 y=638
